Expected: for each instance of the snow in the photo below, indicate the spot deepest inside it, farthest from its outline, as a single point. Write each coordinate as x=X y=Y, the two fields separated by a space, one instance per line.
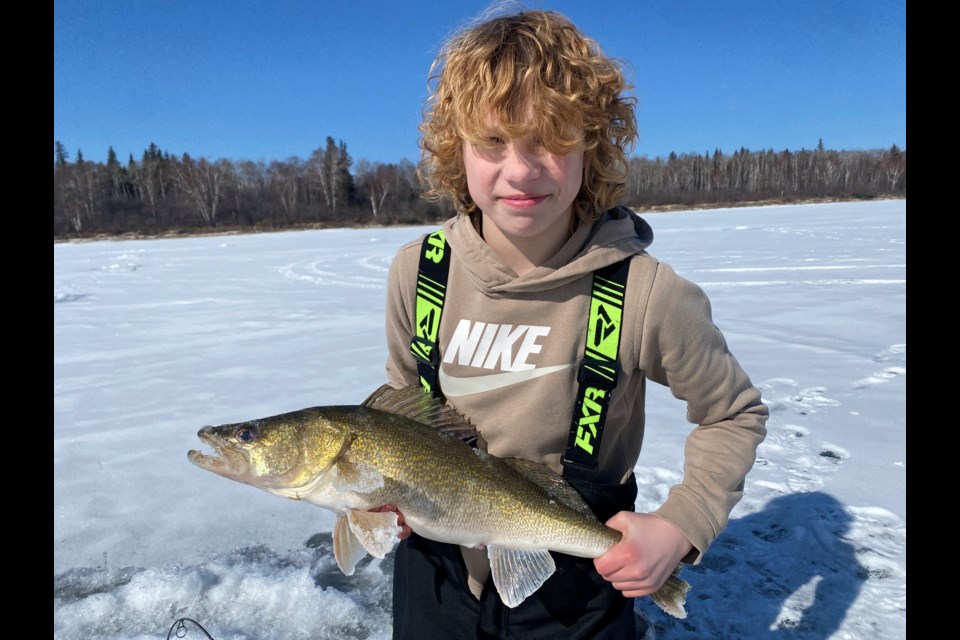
x=155 y=338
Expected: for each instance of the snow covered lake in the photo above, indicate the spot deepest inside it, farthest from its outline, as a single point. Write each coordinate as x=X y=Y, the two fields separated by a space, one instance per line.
x=155 y=338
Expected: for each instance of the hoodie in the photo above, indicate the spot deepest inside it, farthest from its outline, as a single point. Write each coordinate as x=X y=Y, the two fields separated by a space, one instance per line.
x=510 y=348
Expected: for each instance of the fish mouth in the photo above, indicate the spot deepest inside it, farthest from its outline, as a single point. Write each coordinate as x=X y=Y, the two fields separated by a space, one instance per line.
x=223 y=461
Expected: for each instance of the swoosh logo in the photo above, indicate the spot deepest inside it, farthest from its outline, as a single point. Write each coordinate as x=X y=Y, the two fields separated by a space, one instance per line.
x=455 y=387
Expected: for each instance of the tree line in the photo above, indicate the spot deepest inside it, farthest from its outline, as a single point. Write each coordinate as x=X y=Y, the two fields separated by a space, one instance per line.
x=163 y=193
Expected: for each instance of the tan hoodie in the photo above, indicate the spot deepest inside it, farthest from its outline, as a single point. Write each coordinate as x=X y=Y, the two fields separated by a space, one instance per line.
x=510 y=349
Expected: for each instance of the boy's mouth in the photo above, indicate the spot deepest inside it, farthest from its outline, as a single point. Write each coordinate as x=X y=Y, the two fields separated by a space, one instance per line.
x=523 y=201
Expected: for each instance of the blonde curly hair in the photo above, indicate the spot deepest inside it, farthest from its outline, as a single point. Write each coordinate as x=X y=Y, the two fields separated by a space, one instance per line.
x=511 y=65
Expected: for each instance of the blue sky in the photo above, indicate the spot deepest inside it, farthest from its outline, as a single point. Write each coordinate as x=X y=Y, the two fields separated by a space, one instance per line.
x=270 y=80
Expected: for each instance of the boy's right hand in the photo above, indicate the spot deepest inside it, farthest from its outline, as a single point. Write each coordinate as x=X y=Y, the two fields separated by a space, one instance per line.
x=651 y=548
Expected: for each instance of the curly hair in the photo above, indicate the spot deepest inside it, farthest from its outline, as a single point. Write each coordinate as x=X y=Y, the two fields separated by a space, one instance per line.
x=510 y=66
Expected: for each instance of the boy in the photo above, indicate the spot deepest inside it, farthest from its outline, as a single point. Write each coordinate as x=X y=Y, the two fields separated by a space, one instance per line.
x=526 y=129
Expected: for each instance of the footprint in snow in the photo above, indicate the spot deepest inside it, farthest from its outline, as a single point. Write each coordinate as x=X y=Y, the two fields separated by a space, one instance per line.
x=780 y=394
x=809 y=461
x=897 y=354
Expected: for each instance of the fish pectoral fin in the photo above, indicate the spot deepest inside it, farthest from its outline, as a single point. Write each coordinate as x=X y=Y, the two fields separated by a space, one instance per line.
x=517 y=573
x=376 y=531
x=360 y=478
x=346 y=547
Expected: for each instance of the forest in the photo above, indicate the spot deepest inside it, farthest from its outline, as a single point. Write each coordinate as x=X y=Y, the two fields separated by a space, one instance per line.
x=163 y=194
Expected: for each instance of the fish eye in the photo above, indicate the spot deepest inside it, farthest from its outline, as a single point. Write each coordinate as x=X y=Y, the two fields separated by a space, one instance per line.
x=246 y=435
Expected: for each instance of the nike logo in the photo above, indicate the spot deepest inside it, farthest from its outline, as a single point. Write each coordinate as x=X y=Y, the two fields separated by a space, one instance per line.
x=454 y=387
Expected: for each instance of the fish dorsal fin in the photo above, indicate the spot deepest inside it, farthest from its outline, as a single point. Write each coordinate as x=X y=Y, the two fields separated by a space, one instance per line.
x=411 y=402
x=518 y=573
x=552 y=482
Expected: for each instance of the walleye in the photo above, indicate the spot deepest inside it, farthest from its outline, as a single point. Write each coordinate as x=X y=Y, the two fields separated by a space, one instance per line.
x=404 y=448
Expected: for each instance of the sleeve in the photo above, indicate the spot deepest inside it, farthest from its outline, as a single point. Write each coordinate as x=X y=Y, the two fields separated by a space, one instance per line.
x=401 y=300
x=682 y=349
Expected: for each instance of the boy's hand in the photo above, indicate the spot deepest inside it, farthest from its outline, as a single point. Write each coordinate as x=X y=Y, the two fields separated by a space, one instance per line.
x=404 y=528
x=651 y=548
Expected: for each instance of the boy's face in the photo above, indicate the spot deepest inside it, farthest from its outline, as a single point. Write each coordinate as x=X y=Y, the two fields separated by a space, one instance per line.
x=522 y=188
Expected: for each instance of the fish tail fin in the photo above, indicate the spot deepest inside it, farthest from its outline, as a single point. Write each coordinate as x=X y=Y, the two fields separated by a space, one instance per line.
x=673 y=595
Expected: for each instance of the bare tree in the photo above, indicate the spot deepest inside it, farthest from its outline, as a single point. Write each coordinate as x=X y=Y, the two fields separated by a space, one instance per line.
x=87 y=193
x=249 y=184
x=285 y=181
x=376 y=181
x=201 y=181
x=896 y=166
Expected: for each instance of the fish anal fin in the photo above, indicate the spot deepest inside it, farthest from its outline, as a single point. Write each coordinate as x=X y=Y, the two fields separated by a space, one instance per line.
x=550 y=481
x=517 y=573
x=346 y=547
x=376 y=531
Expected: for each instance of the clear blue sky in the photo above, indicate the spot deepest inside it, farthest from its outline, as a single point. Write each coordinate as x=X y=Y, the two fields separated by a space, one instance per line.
x=272 y=79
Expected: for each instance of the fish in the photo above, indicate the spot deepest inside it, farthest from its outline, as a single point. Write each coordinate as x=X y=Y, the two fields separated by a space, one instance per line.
x=402 y=447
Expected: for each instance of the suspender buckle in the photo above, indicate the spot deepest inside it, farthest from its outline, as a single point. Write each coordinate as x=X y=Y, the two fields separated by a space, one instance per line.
x=599 y=374
x=425 y=351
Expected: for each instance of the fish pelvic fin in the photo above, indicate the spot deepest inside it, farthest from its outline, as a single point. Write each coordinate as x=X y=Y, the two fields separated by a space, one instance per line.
x=673 y=595
x=358 y=532
x=518 y=573
x=411 y=402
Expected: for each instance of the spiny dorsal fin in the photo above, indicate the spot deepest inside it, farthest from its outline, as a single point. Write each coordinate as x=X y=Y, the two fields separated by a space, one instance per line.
x=411 y=402
x=551 y=482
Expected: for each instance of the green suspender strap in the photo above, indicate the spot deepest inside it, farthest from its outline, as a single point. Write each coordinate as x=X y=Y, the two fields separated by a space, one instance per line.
x=600 y=368
x=431 y=289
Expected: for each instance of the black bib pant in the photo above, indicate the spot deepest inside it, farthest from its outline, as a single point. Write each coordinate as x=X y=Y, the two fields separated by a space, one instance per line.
x=431 y=599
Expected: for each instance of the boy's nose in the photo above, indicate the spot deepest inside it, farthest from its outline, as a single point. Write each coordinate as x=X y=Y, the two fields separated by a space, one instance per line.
x=521 y=164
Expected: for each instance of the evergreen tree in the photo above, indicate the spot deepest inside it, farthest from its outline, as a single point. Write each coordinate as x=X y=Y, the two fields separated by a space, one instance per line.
x=60 y=155
x=151 y=153
x=79 y=156
x=118 y=176
x=332 y=167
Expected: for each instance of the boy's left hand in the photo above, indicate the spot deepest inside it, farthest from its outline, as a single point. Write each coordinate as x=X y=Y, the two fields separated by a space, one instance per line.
x=651 y=548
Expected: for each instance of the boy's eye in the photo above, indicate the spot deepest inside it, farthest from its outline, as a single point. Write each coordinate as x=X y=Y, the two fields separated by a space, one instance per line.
x=494 y=141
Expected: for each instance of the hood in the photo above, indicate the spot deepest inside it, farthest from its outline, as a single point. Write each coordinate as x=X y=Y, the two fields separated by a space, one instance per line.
x=620 y=233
